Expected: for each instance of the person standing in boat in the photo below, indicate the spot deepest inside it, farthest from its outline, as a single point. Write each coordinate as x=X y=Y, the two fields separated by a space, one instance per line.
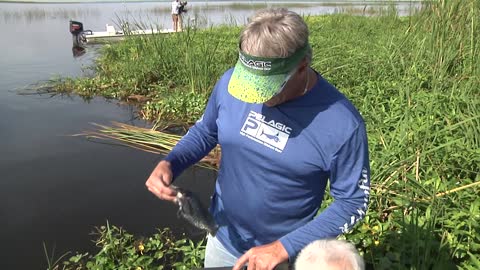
x=285 y=134
x=181 y=10
x=176 y=4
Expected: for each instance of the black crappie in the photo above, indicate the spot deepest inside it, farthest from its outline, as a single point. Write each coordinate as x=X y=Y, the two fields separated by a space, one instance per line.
x=190 y=208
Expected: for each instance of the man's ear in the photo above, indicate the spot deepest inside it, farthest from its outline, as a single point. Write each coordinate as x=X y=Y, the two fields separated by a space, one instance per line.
x=303 y=65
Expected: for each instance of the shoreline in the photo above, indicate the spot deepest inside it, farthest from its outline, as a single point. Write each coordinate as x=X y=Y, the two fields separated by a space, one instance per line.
x=318 y=2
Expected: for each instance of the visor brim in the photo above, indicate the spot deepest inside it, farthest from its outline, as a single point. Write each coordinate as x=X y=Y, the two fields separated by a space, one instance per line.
x=254 y=88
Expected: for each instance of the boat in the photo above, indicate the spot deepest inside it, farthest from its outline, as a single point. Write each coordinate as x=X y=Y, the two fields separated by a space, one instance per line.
x=82 y=37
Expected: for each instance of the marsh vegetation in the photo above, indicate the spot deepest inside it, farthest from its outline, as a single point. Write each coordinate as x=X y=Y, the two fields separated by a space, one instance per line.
x=414 y=79
x=36 y=13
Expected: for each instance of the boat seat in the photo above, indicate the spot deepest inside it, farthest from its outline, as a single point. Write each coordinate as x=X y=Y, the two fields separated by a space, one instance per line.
x=110 y=29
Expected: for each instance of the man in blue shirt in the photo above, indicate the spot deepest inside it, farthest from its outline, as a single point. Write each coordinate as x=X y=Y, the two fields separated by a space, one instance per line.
x=285 y=132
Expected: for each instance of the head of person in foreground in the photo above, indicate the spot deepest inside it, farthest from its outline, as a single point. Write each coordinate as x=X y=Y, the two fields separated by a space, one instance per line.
x=329 y=254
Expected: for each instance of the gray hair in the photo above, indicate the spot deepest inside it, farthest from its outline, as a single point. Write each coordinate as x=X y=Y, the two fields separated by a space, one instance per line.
x=329 y=252
x=274 y=33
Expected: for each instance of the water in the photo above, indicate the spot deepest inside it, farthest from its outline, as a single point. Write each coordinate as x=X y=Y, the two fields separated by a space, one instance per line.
x=54 y=188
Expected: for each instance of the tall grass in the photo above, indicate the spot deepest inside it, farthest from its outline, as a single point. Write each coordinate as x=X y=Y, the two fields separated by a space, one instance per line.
x=161 y=67
x=419 y=95
x=148 y=140
x=228 y=7
x=414 y=79
x=35 y=14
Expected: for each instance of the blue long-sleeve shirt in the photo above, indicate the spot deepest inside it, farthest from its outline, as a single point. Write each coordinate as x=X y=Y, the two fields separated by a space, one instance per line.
x=275 y=165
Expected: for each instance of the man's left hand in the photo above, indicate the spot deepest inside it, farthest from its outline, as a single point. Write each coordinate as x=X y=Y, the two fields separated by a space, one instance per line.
x=264 y=257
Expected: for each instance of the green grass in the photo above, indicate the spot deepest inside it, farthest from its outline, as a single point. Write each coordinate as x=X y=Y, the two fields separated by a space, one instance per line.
x=414 y=79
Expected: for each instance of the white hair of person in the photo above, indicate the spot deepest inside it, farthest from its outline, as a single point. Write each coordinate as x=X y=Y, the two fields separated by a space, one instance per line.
x=329 y=254
x=274 y=32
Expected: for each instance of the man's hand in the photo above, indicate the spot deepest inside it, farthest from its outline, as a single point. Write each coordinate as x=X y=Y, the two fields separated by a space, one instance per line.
x=264 y=257
x=159 y=181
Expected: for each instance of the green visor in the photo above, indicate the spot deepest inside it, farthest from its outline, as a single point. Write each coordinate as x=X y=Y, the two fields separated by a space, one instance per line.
x=258 y=79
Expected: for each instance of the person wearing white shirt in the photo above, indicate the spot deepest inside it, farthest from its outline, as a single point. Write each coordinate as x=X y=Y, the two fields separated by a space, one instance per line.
x=175 y=15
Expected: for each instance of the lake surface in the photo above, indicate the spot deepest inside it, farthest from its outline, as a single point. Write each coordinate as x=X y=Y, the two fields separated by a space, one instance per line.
x=54 y=187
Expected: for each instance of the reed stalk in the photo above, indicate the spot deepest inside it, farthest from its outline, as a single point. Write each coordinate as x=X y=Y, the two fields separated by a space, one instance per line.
x=152 y=141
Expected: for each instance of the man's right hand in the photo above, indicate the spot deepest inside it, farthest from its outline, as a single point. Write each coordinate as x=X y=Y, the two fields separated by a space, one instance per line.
x=159 y=181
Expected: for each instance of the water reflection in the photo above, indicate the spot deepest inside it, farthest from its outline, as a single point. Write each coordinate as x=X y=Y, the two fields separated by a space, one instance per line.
x=78 y=51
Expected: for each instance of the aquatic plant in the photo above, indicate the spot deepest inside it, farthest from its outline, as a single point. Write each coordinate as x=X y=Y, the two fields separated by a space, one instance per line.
x=118 y=249
x=149 y=140
x=38 y=13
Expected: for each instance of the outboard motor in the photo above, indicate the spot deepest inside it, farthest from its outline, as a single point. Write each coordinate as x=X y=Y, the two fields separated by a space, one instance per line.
x=78 y=35
x=76 y=27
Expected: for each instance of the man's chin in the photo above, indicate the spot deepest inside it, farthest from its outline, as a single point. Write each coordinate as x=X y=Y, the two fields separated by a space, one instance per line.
x=269 y=104
x=274 y=101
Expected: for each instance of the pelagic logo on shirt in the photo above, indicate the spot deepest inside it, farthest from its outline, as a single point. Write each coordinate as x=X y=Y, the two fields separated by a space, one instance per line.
x=267 y=132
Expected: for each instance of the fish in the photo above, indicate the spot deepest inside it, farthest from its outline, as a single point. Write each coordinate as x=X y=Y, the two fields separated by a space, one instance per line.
x=271 y=136
x=190 y=209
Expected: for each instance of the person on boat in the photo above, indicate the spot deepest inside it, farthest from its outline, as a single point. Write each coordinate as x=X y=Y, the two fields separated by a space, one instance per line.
x=181 y=10
x=284 y=133
x=176 y=4
x=329 y=254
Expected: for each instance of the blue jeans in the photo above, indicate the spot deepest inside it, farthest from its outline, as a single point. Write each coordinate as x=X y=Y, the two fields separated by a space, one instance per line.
x=216 y=255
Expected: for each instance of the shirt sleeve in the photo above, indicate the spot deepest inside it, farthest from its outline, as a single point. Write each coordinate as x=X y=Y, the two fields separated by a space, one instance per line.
x=200 y=139
x=350 y=188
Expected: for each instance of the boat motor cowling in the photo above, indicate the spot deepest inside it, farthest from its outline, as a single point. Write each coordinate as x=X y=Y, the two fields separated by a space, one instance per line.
x=76 y=27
